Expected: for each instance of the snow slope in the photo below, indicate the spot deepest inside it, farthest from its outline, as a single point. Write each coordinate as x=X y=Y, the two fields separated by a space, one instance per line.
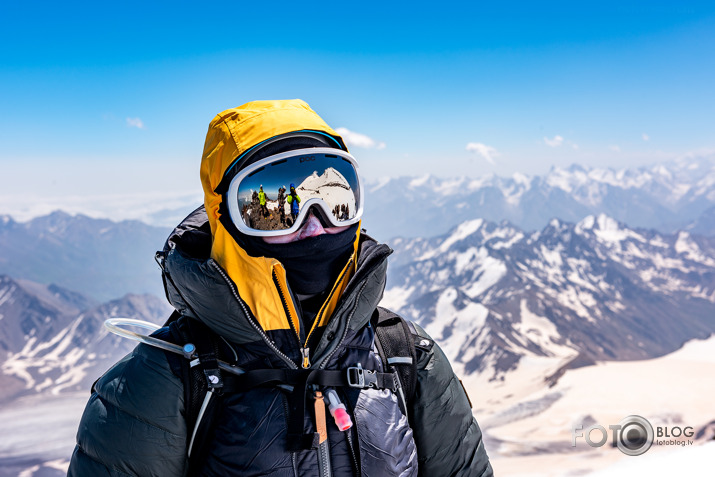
x=37 y=434
x=671 y=390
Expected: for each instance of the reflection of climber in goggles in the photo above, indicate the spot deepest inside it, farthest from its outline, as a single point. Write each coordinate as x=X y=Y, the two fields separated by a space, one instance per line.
x=294 y=201
x=321 y=180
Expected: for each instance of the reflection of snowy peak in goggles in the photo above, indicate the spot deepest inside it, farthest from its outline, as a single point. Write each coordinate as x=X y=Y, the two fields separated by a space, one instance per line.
x=327 y=181
x=331 y=186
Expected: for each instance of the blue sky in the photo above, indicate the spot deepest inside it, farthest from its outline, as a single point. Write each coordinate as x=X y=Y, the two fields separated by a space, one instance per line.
x=106 y=98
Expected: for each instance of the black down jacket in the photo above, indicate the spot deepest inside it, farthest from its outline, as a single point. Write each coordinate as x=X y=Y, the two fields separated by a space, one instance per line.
x=134 y=421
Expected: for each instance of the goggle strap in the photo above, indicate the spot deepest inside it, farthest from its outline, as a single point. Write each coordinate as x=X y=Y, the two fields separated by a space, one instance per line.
x=242 y=159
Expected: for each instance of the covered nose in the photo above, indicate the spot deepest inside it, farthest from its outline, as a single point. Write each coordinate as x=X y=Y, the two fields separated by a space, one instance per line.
x=311 y=228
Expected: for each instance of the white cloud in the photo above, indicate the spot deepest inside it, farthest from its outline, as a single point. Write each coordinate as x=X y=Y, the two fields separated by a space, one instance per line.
x=555 y=142
x=487 y=152
x=359 y=140
x=645 y=137
x=135 y=123
x=615 y=148
x=575 y=146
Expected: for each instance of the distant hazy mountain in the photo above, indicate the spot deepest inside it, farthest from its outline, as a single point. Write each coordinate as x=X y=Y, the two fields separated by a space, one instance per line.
x=53 y=340
x=704 y=224
x=665 y=197
x=98 y=257
x=493 y=294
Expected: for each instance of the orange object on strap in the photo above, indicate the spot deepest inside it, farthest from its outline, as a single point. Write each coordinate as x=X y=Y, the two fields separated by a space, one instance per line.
x=320 y=423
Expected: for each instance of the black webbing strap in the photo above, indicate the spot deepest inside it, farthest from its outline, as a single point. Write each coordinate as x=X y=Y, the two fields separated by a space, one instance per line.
x=396 y=346
x=301 y=379
x=196 y=375
x=320 y=377
x=207 y=354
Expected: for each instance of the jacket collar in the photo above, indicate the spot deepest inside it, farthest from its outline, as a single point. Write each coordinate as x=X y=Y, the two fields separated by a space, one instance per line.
x=197 y=286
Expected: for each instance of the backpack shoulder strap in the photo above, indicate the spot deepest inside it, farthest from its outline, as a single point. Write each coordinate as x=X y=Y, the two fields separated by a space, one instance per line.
x=202 y=379
x=396 y=345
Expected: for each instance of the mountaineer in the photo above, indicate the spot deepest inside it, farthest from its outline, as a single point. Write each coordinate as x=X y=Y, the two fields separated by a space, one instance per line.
x=289 y=366
x=262 y=201
x=294 y=201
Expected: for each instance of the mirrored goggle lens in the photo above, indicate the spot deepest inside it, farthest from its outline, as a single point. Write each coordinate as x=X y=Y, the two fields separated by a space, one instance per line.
x=272 y=196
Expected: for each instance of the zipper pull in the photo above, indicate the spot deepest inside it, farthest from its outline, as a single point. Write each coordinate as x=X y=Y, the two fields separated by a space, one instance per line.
x=320 y=424
x=306 y=357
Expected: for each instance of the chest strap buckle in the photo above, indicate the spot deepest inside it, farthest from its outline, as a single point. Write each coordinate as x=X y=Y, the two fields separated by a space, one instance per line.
x=361 y=378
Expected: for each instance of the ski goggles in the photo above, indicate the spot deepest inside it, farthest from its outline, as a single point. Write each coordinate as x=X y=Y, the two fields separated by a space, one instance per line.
x=274 y=196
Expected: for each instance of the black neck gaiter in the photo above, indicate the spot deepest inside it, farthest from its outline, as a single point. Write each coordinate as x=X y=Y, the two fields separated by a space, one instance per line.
x=313 y=264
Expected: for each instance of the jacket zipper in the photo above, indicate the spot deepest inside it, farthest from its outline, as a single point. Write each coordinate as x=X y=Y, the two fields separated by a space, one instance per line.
x=365 y=271
x=324 y=460
x=351 y=446
x=325 y=361
x=251 y=319
x=304 y=348
x=304 y=352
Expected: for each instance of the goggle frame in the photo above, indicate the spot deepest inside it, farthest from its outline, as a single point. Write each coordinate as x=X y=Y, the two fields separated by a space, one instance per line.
x=231 y=195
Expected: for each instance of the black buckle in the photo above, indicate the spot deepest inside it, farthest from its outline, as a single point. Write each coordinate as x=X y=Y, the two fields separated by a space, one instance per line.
x=361 y=378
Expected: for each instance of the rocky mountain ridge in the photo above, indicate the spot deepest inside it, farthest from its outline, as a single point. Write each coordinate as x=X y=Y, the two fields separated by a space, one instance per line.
x=493 y=294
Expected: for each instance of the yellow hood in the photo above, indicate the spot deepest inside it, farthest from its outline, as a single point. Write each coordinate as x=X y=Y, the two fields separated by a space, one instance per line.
x=230 y=134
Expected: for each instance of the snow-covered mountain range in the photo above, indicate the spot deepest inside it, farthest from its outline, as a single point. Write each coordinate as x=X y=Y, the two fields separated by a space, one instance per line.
x=524 y=282
x=574 y=323
x=666 y=197
x=491 y=293
x=52 y=340
x=597 y=290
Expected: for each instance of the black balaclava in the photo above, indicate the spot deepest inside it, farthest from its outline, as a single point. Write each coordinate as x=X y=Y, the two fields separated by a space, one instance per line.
x=312 y=264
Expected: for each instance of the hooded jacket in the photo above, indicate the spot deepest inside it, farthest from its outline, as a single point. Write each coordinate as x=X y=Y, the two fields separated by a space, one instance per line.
x=134 y=422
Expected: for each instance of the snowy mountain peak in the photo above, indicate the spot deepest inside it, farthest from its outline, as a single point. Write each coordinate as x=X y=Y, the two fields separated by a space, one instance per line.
x=460 y=233
x=463 y=231
x=608 y=231
x=330 y=178
x=601 y=222
x=606 y=223
x=331 y=186
x=586 y=223
x=555 y=223
x=521 y=179
x=419 y=181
